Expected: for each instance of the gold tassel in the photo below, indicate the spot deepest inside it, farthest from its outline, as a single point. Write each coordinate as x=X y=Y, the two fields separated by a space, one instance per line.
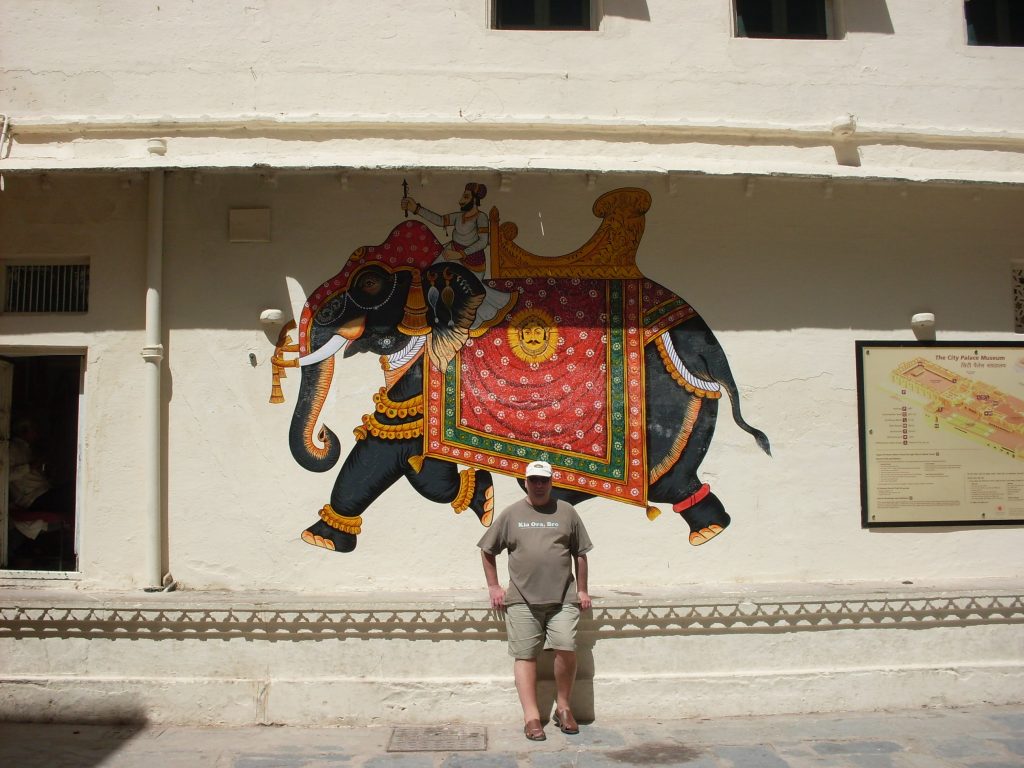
x=414 y=322
x=277 y=370
x=416 y=462
x=652 y=513
x=276 y=393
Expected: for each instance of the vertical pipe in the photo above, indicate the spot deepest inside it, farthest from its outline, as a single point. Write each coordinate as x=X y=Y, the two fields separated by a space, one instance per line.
x=153 y=354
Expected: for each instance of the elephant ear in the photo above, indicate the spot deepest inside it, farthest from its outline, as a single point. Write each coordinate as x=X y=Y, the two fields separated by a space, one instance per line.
x=453 y=294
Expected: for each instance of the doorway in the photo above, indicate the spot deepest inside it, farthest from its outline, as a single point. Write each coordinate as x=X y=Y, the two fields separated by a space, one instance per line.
x=39 y=408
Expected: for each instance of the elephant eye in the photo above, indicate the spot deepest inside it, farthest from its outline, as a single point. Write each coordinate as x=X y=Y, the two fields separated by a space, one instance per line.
x=371 y=284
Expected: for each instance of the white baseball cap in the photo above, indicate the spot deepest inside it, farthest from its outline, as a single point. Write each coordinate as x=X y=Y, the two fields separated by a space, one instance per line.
x=538 y=469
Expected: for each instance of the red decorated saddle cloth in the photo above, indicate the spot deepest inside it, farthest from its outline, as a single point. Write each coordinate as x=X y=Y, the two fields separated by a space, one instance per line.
x=560 y=379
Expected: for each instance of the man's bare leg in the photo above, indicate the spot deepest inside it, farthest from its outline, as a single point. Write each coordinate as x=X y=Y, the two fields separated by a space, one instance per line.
x=526 y=687
x=565 y=676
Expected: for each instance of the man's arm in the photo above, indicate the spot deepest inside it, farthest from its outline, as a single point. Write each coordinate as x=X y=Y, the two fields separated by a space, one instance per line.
x=582 y=572
x=494 y=590
x=408 y=204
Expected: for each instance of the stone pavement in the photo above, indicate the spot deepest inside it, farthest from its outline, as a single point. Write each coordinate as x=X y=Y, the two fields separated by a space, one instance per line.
x=982 y=737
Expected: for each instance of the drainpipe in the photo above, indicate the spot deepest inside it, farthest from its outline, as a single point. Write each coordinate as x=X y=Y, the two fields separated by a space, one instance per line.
x=153 y=354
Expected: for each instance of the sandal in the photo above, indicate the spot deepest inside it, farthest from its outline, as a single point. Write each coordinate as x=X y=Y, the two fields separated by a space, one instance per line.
x=565 y=721
x=534 y=731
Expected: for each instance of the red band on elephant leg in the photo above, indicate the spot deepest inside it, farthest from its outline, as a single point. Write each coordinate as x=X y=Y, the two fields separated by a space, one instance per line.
x=693 y=500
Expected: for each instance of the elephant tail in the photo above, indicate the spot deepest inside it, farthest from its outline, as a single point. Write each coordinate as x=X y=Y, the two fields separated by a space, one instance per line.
x=734 y=401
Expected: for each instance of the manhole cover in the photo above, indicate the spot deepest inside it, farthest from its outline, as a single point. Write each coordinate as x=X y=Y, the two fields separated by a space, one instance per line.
x=437 y=738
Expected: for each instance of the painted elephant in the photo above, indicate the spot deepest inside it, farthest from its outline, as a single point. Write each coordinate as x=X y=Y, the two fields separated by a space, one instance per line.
x=609 y=376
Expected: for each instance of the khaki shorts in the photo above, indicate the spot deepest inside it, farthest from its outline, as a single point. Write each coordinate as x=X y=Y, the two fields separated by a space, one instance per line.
x=528 y=627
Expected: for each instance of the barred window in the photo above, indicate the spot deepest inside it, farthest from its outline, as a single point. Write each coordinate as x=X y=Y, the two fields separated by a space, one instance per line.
x=542 y=14
x=994 y=22
x=46 y=287
x=793 y=19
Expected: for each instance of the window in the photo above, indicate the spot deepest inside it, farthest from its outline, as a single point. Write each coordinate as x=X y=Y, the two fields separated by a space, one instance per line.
x=794 y=19
x=994 y=22
x=45 y=287
x=542 y=14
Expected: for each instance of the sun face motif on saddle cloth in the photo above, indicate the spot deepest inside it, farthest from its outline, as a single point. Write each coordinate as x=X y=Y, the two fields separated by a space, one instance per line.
x=560 y=379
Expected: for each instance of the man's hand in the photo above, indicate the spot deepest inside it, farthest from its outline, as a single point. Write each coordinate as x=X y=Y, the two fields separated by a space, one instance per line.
x=408 y=204
x=497 y=595
x=452 y=254
x=585 y=601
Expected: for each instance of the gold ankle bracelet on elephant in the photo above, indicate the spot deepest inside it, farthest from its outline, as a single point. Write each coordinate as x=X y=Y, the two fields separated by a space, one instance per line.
x=393 y=409
x=372 y=426
x=467 y=487
x=353 y=525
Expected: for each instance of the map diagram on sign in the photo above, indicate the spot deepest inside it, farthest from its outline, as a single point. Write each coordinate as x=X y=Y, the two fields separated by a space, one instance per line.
x=972 y=408
x=942 y=433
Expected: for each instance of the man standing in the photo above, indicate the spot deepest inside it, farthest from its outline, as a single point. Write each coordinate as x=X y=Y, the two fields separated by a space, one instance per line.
x=545 y=539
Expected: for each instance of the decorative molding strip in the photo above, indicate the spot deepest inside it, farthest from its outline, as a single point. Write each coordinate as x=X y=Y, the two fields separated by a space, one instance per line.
x=525 y=128
x=473 y=623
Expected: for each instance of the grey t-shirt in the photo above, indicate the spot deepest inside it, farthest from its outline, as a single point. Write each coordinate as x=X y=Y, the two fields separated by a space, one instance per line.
x=542 y=544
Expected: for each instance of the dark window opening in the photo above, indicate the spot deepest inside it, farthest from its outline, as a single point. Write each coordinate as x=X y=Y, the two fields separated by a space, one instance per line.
x=46 y=288
x=994 y=22
x=542 y=14
x=39 y=398
x=794 y=19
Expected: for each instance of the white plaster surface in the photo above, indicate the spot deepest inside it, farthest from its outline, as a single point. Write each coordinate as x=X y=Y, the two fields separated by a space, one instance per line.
x=791 y=242
x=242 y=658
x=354 y=85
x=789 y=273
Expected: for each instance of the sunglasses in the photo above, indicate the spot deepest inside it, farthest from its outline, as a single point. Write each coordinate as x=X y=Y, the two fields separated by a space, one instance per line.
x=537 y=479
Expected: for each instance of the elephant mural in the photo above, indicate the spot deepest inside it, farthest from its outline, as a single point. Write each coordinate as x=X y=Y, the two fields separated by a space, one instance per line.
x=578 y=360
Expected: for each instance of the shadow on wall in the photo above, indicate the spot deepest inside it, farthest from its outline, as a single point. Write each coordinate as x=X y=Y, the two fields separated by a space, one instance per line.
x=85 y=745
x=628 y=9
x=288 y=624
x=868 y=16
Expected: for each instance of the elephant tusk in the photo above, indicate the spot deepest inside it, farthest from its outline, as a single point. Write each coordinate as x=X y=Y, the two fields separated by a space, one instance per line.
x=329 y=349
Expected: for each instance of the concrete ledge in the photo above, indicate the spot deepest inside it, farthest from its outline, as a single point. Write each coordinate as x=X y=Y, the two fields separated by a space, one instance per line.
x=333 y=701
x=249 y=658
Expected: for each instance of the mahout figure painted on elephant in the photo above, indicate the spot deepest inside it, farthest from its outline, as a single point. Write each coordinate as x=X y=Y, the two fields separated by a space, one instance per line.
x=577 y=360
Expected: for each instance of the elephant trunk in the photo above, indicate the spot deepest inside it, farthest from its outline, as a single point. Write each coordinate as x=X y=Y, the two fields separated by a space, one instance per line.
x=316 y=382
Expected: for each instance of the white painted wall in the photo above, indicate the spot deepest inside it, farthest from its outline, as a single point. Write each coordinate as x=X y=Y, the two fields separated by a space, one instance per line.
x=901 y=62
x=103 y=219
x=788 y=276
x=760 y=220
x=661 y=86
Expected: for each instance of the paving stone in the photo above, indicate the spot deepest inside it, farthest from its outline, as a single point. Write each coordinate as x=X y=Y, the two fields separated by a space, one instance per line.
x=871 y=761
x=401 y=761
x=751 y=757
x=1014 y=722
x=1016 y=746
x=289 y=760
x=626 y=758
x=954 y=749
x=596 y=736
x=856 y=747
x=554 y=759
x=479 y=760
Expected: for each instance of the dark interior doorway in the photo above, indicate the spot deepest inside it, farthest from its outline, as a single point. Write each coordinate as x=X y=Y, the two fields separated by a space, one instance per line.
x=39 y=402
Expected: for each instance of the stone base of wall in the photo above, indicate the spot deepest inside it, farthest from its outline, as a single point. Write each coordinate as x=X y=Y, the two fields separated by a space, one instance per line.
x=253 y=658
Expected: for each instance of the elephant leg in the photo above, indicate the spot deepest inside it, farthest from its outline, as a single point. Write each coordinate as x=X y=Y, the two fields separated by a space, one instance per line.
x=441 y=481
x=371 y=468
x=678 y=437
